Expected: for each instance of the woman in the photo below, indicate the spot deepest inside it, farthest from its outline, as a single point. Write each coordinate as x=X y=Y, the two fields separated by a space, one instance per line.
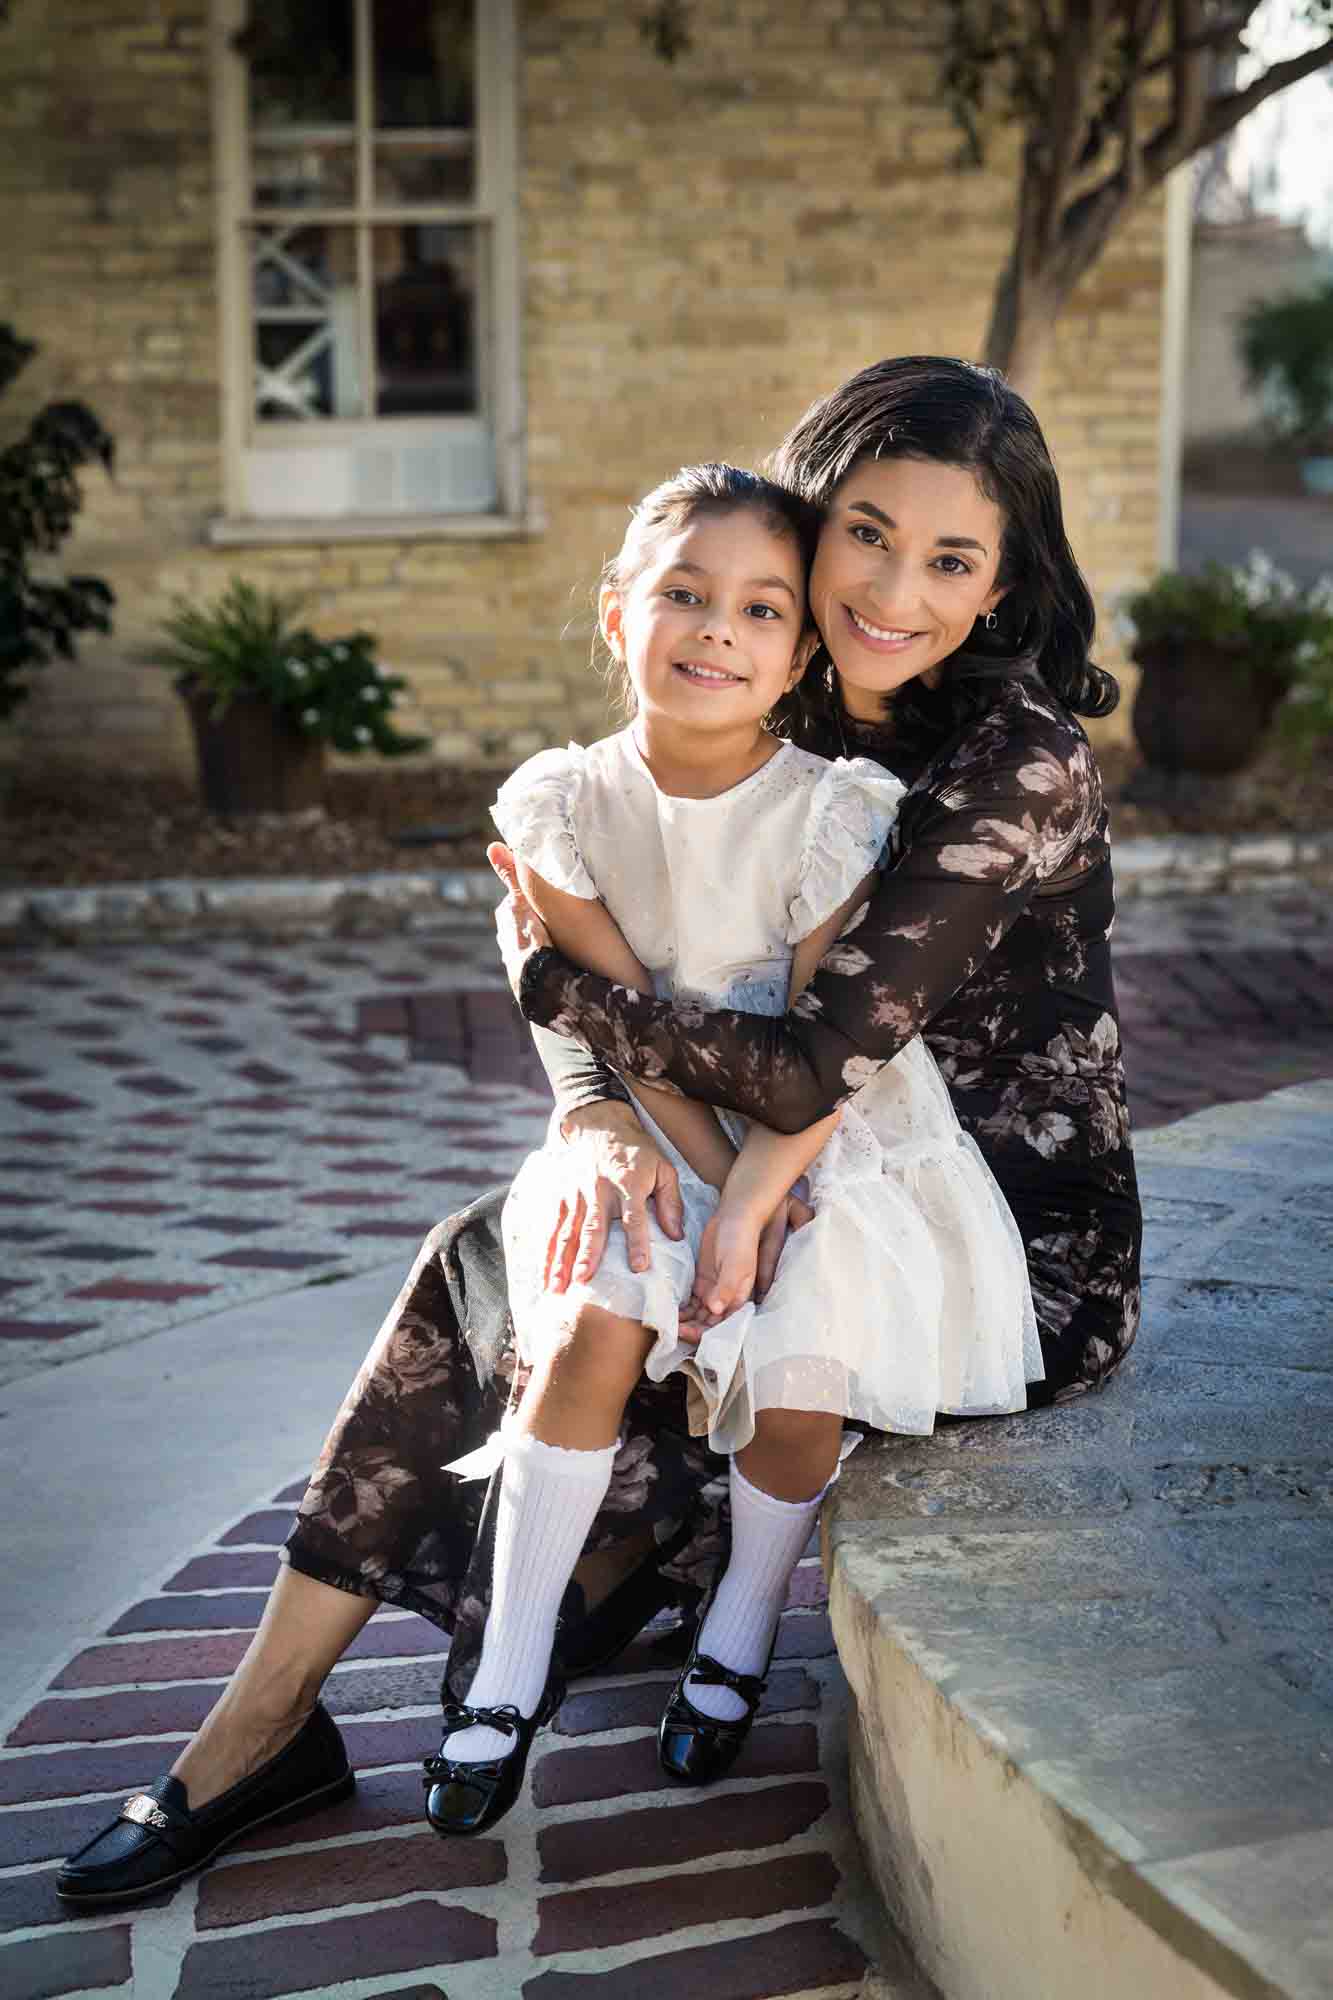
x=988 y=934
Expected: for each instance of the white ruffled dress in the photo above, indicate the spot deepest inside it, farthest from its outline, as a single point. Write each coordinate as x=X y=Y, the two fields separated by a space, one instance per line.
x=908 y=1293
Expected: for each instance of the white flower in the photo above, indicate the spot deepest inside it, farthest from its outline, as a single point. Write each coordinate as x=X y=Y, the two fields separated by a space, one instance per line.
x=297 y=669
x=339 y=650
x=309 y=716
x=362 y=735
x=370 y=694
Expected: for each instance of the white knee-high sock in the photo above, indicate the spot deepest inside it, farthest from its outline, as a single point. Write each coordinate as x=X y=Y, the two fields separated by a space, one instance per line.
x=549 y=1499
x=767 y=1537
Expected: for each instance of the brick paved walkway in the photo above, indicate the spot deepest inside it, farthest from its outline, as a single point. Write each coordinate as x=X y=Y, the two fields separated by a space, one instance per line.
x=217 y=1119
x=744 y=1890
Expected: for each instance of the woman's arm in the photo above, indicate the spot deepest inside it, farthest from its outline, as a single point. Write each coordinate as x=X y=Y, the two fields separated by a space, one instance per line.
x=586 y=932
x=975 y=852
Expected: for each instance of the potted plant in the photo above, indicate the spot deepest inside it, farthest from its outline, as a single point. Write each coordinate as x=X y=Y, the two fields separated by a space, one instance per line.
x=1286 y=348
x=1220 y=651
x=266 y=697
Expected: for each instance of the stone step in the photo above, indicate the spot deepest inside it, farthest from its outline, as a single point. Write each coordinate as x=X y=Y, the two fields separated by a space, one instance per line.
x=1090 y=1646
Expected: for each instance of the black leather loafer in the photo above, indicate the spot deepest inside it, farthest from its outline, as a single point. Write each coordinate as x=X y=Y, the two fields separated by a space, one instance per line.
x=694 y=1748
x=603 y=1634
x=156 y=1840
x=467 y=1798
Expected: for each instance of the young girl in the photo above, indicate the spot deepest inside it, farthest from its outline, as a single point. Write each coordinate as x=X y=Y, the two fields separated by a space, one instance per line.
x=696 y=854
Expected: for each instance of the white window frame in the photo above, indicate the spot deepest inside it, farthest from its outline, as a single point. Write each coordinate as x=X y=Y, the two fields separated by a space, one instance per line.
x=495 y=208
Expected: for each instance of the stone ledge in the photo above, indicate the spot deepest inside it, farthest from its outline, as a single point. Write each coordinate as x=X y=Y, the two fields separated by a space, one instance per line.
x=1197 y=863
x=1090 y=1646
x=282 y=906
x=363 y=905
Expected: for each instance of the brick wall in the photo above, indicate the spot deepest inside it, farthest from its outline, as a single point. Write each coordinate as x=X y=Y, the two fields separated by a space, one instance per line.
x=705 y=249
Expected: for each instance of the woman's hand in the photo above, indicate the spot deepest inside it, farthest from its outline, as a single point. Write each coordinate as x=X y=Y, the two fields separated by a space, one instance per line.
x=615 y=1173
x=518 y=929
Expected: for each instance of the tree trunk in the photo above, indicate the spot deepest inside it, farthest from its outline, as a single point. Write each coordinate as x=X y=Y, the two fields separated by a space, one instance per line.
x=1023 y=316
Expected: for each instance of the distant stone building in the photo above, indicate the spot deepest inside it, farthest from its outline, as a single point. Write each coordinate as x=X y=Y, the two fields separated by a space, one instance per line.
x=401 y=306
x=1234 y=264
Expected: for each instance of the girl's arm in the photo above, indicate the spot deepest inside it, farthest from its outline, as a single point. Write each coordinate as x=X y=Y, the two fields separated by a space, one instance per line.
x=769 y=1162
x=586 y=932
x=1016 y=809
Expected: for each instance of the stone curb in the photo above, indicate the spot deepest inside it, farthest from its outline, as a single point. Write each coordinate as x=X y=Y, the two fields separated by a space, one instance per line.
x=282 y=906
x=352 y=905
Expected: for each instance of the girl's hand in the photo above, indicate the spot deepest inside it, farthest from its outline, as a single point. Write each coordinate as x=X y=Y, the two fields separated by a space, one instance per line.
x=792 y=1213
x=518 y=928
x=724 y=1270
x=615 y=1173
x=724 y=1256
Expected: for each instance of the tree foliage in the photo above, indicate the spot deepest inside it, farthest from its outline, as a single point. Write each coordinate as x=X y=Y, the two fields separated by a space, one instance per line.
x=40 y=613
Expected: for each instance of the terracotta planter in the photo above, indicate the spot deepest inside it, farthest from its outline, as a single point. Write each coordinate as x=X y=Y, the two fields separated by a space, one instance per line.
x=250 y=760
x=1196 y=710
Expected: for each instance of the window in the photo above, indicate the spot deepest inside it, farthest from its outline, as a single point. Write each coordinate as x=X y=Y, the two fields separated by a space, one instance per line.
x=368 y=254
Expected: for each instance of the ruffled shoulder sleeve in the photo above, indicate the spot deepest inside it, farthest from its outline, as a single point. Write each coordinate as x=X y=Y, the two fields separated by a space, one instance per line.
x=535 y=812
x=852 y=810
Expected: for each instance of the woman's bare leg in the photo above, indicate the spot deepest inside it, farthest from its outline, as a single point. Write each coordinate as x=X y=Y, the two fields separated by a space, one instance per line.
x=306 y=1628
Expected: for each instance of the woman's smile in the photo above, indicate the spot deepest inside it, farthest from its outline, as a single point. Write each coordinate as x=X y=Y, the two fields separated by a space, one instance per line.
x=882 y=638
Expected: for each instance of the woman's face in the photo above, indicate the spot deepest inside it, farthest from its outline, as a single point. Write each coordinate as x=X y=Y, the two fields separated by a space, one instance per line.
x=906 y=564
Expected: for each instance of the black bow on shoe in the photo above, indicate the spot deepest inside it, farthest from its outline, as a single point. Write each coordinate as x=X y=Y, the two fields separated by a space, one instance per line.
x=694 y=1748
x=463 y=1798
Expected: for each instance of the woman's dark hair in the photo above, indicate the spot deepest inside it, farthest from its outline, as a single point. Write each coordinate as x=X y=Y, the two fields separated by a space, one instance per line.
x=689 y=493
x=952 y=412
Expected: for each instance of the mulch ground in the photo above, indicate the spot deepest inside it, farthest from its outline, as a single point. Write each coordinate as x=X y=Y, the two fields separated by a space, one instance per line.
x=65 y=829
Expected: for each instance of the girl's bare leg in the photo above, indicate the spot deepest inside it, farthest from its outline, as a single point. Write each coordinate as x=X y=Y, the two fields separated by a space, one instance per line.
x=306 y=1628
x=577 y=1392
x=792 y=1454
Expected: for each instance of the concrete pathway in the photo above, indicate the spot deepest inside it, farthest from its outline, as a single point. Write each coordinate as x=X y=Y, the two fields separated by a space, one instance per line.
x=157 y=1435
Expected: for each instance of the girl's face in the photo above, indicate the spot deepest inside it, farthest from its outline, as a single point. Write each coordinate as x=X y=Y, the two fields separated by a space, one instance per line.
x=906 y=564
x=712 y=630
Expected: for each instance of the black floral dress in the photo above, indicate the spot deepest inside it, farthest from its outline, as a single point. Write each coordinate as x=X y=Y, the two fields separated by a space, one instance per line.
x=989 y=935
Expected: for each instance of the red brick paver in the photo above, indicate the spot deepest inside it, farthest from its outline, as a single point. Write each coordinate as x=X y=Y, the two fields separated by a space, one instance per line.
x=578 y=1891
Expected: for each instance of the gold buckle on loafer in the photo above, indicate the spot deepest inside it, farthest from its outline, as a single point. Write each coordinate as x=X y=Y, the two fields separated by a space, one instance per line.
x=145 y=1812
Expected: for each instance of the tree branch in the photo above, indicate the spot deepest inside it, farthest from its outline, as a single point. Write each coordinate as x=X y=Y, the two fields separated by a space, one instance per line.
x=1075 y=64
x=1226 y=112
x=1189 y=71
x=1208 y=38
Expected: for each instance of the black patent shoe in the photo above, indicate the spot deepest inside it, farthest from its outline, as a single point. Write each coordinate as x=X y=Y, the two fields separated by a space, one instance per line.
x=694 y=1748
x=604 y=1632
x=156 y=1840
x=466 y=1798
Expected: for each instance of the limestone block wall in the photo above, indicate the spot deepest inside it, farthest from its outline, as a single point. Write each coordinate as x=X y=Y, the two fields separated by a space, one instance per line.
x=705 y=248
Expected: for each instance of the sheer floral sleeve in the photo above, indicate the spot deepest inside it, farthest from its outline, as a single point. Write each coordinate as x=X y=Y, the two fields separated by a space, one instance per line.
x=1013 y=804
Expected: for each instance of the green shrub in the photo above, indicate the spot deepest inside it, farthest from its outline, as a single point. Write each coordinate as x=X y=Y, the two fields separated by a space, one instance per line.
x=40 y=612
x=1286 y=347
